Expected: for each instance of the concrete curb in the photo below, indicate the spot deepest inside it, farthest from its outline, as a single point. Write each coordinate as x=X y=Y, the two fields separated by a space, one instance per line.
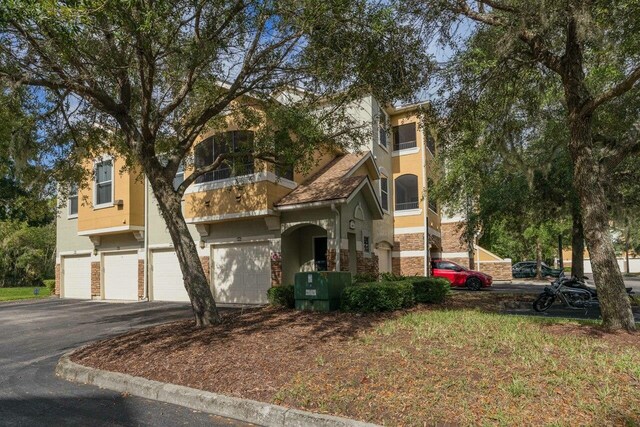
x=251 y=411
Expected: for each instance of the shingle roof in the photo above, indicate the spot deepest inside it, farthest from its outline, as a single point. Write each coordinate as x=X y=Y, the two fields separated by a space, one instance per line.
x=329 y=183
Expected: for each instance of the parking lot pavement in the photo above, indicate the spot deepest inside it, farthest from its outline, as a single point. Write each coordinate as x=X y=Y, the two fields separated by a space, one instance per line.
x=36 y=333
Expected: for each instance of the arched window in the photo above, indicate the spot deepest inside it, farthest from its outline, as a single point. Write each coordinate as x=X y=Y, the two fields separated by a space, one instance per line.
x=407 y=192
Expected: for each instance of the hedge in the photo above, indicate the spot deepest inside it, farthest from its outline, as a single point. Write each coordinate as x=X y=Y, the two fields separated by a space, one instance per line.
x=282 y=296
x=378 y=296
x=430 y=289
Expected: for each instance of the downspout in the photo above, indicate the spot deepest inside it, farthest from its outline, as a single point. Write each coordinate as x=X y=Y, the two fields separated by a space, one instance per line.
x=338 y=237
x=145 y=273
x=426 y=208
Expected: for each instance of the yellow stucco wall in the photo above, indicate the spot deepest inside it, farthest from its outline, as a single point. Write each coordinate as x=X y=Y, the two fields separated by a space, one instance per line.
x=125 y=188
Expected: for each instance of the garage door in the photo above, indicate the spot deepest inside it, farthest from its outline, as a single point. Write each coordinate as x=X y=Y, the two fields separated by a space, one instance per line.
x=167 y=283
x=241 y=273
x=121 y=276
x=76 y=277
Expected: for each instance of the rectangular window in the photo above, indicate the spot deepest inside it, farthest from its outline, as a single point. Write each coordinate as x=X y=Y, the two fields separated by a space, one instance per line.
x=103 y=191
x=221 y=143
x=366 y=247
x=73 y=202
x=384 y=193
x=179 y=178
x=433 y=205
x=404 y=136
x=430 y=141
x=382 y=128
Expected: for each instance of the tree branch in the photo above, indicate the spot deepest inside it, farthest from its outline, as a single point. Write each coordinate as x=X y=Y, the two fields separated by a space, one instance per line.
x=624 y=86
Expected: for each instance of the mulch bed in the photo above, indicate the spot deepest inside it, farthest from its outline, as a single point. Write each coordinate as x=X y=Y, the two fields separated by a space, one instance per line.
x=266 y=353
x=251 y=354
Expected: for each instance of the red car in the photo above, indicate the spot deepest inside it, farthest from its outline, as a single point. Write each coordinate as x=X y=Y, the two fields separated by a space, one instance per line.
x=458 y=275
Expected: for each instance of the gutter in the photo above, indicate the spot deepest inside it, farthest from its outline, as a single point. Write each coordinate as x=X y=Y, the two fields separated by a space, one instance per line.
x=145 y=273
x=338 y=237
x=425 y=208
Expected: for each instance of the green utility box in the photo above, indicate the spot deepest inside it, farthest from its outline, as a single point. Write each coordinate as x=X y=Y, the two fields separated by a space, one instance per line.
x=320 y=290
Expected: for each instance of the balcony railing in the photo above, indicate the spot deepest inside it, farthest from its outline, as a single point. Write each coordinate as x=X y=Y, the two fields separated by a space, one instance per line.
x=227 y=172
x=403 y=145
x=407 y=205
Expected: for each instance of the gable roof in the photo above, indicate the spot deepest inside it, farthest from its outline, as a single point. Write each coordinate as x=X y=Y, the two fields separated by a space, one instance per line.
x=334 y=182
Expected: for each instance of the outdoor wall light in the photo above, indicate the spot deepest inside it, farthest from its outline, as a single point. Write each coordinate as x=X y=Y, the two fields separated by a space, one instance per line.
x=202 y=244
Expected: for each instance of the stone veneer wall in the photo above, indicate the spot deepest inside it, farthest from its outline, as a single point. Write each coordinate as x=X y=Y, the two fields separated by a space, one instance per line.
x=408 y=266
x=276 y=269
x=95 y=280
x=452 y=238
x=57 y=275
x=368 y=265
x=498 y=270
x=408 y=242
x=206 y=266
x=331 y=260
x=140 y=279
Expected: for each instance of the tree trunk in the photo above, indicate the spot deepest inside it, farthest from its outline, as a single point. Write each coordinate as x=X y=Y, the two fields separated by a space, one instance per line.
x=577 y=244
x=614 y=302
x=195 y=280
x=538 y=259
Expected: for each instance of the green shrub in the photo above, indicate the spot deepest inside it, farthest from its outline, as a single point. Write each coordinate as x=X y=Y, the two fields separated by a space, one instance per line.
x=51 y=284
x=377 y=296
x=391 y=277
x=430 y=289
x=366 y=277
x=282 y=296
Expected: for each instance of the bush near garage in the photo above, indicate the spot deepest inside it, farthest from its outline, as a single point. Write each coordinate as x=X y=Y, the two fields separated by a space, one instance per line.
x=282 y=296
x=378 y=296
x=50 y=284
x=430 y=290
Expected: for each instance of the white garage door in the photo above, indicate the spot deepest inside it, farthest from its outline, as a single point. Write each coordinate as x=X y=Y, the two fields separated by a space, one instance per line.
x=166 y=279
x=121 y=276
x=76 y=277
x=241 y=273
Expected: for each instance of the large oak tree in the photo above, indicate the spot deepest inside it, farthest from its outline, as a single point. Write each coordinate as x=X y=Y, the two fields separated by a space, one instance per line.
x=591 y=49
x=162 y=72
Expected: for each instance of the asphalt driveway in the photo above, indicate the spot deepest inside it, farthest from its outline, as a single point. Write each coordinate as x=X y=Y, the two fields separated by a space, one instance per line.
x=33 y=336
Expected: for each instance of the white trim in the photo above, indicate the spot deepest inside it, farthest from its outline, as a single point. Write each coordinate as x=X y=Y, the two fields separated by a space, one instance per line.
x=408 y=212
x=431 y=210
x=97 y=206
x=241 y=180
x=324 y=203
x=408 y=230
x=248 y=239
x=160 y=246
x=72 y=253
x=406 y=151
x=384 y=176
x=454 y=254
x=494 y=261
x=434 y=232
x=361 y=162
x=367 y=181
x=450 y=220
x=110 y=230
x=74 y=216
x=407 y=254
x=245 y=214
x=480 y=248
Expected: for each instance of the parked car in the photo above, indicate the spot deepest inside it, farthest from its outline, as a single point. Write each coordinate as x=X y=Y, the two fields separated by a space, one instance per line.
x=458 y=275
x=527 y=269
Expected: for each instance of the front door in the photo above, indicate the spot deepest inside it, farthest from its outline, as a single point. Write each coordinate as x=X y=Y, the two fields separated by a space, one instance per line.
x=320 y=253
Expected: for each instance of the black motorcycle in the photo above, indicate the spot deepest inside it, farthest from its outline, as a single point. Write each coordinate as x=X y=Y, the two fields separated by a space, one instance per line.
x=573 y=292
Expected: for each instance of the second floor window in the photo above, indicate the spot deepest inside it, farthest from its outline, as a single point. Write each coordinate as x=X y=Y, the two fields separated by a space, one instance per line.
x=404 y=136
x=103 y=192
x=73 y=201
x=407 y=192
x=382 y=128
x=227 y=142
x=384 y=193
x=179 y=178
x=433 y=205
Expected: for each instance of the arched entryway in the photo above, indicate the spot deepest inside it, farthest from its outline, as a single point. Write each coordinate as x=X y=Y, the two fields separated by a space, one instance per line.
x=304 y=248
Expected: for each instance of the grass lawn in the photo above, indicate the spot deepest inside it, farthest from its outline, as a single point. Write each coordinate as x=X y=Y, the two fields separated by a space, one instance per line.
x=451 y=364
x=11 y=294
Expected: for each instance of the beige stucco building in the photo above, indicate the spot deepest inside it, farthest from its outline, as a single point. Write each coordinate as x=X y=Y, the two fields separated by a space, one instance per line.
x=361 y=211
